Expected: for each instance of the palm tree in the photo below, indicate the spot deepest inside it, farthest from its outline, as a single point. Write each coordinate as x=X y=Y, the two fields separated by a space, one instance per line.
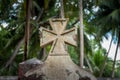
x=62 y=9
x=105 y=61
x=107 y=19
x=27 y=28
x=13 y=34
x=81 y=34
x=113 y=68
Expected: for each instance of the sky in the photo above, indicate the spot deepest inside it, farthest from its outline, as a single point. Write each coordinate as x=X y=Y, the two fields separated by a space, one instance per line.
x=106 y=44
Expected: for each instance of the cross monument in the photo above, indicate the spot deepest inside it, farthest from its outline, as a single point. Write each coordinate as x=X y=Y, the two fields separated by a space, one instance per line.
x=59 y=65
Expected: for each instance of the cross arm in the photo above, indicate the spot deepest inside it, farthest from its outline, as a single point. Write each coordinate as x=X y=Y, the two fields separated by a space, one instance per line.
x=47 y=37
x=69 y=36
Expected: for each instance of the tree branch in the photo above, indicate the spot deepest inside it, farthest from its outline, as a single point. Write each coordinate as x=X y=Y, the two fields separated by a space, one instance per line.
x=40 y=15
x=14 y=53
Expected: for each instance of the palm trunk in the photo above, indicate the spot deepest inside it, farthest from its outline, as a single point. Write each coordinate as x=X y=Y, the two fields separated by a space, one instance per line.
x=88 y=63
x=27 y=28
x=81 y=34
x=113 y=68
x=62 y=9
x=104 y=64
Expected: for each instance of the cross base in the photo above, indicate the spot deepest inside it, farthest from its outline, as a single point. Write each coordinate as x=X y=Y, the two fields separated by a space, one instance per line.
x=60 y=68
x=58 y=55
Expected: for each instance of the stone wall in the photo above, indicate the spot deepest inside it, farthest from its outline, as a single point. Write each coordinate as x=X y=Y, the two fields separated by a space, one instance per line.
x=16 y=78
x=108 y=79
x=8 y=77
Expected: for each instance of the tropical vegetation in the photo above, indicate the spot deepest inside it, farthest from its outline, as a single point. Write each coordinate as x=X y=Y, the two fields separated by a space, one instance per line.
x=100 y=19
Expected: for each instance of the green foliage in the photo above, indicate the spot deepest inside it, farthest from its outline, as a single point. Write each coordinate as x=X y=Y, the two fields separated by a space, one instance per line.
x=108 y=12
x=73 y=53
x=117 y=72
x=107 y=21
x=108 y=68
x=98 y=58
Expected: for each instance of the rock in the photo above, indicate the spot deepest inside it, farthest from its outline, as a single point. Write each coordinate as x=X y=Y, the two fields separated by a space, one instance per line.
x=26 y=66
